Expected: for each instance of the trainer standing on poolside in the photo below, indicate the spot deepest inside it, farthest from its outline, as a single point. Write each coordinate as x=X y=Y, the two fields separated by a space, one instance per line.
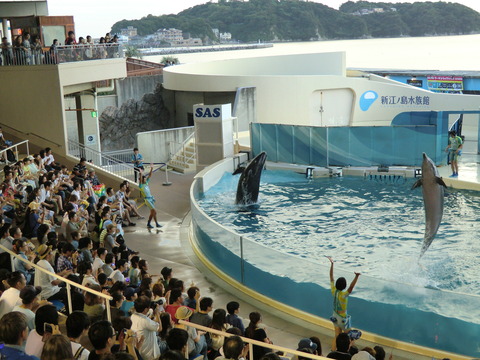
x=341 y=320
x=148 y=198
x=455 y=144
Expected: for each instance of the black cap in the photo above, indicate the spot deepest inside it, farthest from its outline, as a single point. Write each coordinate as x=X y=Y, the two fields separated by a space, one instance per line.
x=166 y=271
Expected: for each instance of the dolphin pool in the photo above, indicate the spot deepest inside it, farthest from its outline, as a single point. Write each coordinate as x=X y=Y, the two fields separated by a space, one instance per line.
x=374 y=226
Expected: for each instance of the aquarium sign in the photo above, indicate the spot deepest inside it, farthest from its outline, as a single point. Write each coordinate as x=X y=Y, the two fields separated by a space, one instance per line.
x=415 y=82
x=445 y=83
x=405 y=100
x=211 y=112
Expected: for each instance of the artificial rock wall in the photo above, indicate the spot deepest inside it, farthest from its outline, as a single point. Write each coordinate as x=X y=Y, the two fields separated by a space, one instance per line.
x=119 y=125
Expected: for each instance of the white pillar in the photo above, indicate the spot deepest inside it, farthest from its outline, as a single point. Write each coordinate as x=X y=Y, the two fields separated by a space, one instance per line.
x=6 y=30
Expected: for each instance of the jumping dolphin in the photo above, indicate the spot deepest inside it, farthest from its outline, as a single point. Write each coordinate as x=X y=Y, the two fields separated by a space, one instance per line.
x=249 y=183
x=432 y=198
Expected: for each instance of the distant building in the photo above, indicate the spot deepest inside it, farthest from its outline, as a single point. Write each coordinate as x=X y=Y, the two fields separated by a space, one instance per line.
x=130 y=31
x=225 y=37
x=188 y=42
x=171 y=35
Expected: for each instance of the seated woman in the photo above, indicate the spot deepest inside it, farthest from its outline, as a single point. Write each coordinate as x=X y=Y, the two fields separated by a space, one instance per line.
x=256 y=331
x=218 y=323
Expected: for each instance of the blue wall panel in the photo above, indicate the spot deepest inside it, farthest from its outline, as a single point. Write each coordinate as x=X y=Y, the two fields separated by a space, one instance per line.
x=339 y=146
x=319 y=146
x=302 y=148
x=285 y=140
x=348 y=146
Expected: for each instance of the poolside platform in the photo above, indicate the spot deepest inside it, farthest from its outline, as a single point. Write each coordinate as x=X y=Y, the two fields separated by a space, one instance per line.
x=170 y=246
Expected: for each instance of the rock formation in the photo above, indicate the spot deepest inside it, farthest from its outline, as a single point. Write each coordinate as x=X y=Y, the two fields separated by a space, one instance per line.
x=119 y=126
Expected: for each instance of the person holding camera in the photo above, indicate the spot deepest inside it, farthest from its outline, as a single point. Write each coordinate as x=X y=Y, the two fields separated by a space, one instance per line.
x=147 y=327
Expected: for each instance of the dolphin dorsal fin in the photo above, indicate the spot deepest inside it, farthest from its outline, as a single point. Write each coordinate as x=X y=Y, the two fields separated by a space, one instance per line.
x=440 y=181
x=418 y=183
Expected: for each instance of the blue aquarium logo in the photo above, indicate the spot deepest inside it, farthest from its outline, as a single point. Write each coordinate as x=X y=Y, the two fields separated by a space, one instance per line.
x=367 y=99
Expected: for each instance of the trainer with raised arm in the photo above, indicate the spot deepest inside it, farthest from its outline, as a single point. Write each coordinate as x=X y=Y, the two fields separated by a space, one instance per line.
x=148 y=198
x=341 y=320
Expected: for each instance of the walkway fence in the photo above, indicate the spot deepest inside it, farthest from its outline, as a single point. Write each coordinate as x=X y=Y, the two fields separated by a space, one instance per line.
x=106 y=162
x=59 y=54
x=68 y=283
x=14 y=149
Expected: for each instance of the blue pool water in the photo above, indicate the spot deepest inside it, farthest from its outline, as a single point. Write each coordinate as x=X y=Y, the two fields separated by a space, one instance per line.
x=368 y=225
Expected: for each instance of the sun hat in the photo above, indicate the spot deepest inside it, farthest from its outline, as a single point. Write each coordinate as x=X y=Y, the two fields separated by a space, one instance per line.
x=34 y=205
x=183 y=313
x=43 y=251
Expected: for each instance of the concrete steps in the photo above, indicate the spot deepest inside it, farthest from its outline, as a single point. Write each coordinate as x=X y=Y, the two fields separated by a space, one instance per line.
x=185 y=161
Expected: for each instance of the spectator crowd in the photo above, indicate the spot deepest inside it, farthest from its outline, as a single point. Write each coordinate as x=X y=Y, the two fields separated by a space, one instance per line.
x=57 y=219
x=29 y=50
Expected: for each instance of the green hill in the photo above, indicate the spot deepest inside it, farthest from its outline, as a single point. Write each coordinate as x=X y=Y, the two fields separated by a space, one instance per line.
x=293 y=20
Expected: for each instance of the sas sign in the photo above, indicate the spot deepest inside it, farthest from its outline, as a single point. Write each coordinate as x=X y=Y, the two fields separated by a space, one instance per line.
x=208 y=112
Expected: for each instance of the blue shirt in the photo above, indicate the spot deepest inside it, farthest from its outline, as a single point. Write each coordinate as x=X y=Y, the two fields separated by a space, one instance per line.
x=137 y=160
x=15 y=352
x=235 y=321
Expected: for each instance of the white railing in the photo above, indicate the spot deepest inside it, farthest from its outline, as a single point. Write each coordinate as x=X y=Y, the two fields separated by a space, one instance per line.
x=252 y=342
x=178 y=150
x=106 y=162
x=69 y=283
x=11 y=56
x=120 y=155
x=3 y=152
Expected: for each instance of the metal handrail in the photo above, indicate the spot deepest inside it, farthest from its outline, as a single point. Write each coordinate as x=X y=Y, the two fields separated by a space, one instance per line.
x=103 y=155
x=4 y=151
x=107 y=163
x=68 y=282
x=181 y=148
x=252 y=342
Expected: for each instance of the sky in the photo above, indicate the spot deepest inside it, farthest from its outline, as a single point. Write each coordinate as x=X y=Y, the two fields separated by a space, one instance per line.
x=96 y=17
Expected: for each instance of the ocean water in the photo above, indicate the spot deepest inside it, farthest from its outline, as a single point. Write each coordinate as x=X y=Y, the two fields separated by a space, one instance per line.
x=419 y=53
x=374 y=226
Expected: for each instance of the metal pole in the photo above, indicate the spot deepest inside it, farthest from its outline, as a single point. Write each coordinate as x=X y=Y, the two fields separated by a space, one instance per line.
x=69 y=299
x=166 y=183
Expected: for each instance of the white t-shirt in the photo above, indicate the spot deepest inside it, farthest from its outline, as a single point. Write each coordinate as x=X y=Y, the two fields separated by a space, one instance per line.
x=9 y=299
x=29 y=314
x=75 y=347
x=148 y=328
x=45 y=281
x=34 y=345
x=97 y=264
x=89 y=280
x=48 y=160
x=117 y=276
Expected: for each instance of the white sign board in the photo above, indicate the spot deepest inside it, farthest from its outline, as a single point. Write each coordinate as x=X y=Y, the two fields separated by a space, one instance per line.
x=90 y=140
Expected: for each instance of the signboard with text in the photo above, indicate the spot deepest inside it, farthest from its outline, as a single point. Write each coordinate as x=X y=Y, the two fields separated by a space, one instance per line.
x=450 y=84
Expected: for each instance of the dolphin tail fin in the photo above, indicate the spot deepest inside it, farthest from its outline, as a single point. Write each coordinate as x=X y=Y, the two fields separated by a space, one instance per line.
x=418 y=183
x=440 y=181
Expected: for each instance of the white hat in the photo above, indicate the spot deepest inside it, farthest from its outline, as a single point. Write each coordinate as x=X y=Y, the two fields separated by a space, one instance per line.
x=362 y=355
